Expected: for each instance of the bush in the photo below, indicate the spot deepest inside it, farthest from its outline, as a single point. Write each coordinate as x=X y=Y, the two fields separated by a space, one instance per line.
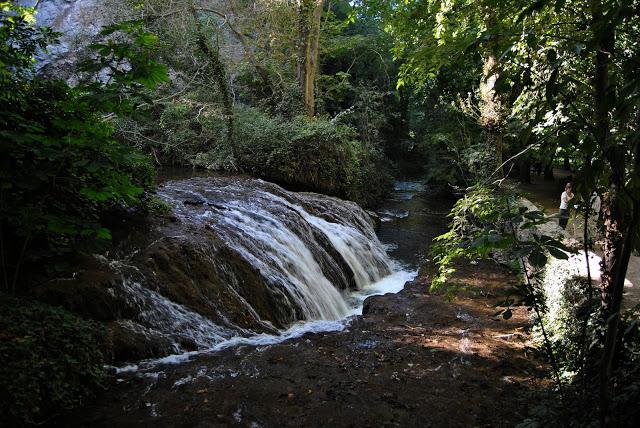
x=50 y=361
x=566 y=299
x=62 y=174
x=311 y=154
x=306 y=153
x=573 y=328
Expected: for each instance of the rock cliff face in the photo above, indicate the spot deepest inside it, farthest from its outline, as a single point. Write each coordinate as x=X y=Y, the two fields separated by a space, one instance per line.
x=235 y=257
x=78 y=21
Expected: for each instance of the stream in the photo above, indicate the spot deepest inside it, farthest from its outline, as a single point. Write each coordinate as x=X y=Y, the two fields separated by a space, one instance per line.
x=317 y=257
x=269 y=228
x=301 y=362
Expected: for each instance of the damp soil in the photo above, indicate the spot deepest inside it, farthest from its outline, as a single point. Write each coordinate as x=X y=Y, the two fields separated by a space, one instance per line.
x=415 y=358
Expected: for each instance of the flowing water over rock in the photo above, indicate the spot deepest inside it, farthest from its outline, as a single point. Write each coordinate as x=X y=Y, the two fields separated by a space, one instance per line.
x=236 y=260
x=409 y=359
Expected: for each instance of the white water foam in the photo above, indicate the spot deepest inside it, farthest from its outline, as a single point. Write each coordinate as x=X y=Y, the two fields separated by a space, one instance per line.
x=393 y=283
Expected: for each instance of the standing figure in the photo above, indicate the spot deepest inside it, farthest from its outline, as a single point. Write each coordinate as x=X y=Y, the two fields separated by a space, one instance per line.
x=596 y=203
x=564 y=205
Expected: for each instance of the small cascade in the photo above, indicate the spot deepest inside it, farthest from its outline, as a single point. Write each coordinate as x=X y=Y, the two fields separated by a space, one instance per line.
x=282 y=257
x=362 y=251
x=244 y=257
x=159 y=315
x=282 y=234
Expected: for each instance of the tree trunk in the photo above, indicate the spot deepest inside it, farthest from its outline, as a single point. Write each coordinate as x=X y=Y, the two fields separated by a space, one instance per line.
x=491 y=117
x=619 y=242
x=404 y=113
x=548 y=171
x=263 y=72
x=309 y=18
x=618 y=239
x=220 y=78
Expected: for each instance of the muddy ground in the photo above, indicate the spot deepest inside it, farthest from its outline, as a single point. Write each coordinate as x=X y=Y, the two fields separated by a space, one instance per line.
x=412 y=359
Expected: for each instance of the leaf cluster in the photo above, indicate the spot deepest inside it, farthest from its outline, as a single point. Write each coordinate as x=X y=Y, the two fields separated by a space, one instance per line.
x=488 y=221
x=62 y=174
x=50 y=361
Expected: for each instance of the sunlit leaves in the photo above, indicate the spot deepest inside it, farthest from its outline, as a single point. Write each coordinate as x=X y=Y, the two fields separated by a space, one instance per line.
x=488 y=220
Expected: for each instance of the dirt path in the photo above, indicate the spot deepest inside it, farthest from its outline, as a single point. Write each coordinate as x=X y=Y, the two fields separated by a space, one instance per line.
x=413 y=359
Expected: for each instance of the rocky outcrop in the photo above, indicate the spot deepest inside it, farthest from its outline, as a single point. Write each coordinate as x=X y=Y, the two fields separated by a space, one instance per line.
x=78 y=21
x=249 y=258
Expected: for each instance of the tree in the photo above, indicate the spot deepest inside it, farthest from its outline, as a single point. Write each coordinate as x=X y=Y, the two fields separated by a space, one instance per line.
x=598 y=117
x=309 y=20
x=62 y=173
x=431 y=36
x=569 y=75
x=219 y=76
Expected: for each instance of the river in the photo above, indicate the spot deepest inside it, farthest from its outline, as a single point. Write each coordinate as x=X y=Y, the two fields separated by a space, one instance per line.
x=328 y=372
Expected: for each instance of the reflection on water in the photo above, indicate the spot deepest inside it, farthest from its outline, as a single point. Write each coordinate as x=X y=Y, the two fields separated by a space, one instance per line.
x=411 y=217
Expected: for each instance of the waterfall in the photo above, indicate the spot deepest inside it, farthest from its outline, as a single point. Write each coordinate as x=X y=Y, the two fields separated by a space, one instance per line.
x=159 y=314
x=258 y=259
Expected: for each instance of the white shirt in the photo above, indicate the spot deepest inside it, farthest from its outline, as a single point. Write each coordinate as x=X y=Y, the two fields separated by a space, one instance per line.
x=595 y=203
x=564 y=200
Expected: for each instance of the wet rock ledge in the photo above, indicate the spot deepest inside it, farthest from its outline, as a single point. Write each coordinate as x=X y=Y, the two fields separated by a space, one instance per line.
x=413 y=359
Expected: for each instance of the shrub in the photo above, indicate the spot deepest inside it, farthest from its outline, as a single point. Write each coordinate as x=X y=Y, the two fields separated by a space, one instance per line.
x=311 y=154
x=566 y=299
x=50 y=361
x=62 y=174
x=575 y=330
x=314 y=154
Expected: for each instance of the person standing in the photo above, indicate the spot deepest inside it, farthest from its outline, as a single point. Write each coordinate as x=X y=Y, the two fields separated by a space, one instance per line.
x=596 y=204
x=564 y=205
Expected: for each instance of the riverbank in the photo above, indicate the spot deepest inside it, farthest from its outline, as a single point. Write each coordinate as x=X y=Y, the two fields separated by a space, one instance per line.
x=412 y=359
x=545 y=195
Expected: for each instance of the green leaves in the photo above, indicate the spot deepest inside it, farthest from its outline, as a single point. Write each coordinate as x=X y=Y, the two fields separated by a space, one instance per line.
x=63 y=175
x=531 y=8
x=51 y=361
x=537 y=258
x=488 y=220
x=128 y=55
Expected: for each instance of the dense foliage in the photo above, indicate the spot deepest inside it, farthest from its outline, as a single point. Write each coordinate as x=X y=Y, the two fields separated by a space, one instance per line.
x=63 y=174
x=554 y=78
x=573 y=323
x=246 y=111
x=64 y=181
x=330 y=96
x=51 y=361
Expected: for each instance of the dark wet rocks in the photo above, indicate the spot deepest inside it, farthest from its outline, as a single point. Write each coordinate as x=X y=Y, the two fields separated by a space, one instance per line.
x=429 y=369
x=192 y=278
x=375 y=219
x=128 y=341
x=194 y=201
x=203 y=202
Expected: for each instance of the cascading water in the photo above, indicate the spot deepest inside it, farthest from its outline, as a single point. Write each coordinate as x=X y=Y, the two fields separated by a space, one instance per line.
x=279 y=257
